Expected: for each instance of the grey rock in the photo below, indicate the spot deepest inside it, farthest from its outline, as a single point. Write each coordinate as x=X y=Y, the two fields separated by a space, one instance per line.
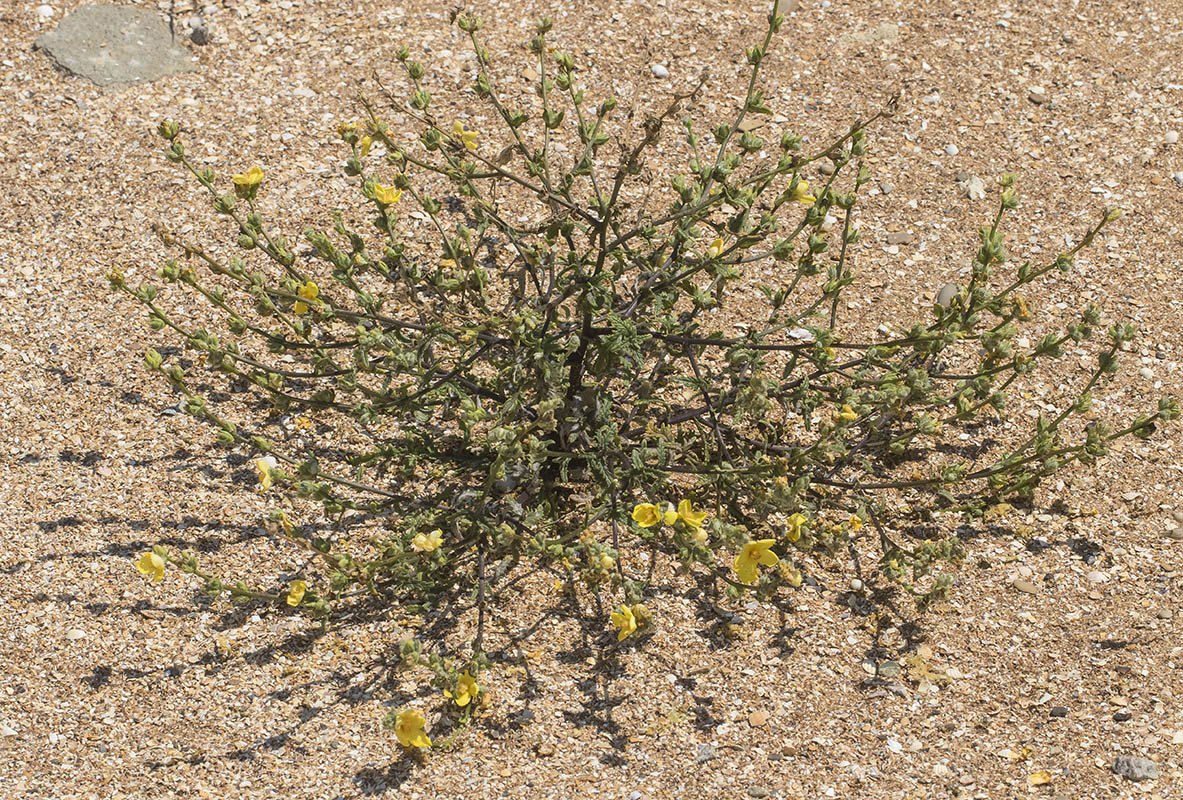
x=1177 y=516
x=946 y=294
x=826 y=168
x=1123 y=715
x=115 y=44
x=659 y=71
x=889 y=669
x=198 y=32
x=1037 y=95
x=1176 y=534
x=951 y=149
x=886 y=188
x=1059 y=711
x=1178 y=178
x=706 y=752
x=1135 y=768
x=899 y=237
x=758 y=791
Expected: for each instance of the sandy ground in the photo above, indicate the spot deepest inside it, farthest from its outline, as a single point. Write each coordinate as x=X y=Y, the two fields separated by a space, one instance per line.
x=114 y=688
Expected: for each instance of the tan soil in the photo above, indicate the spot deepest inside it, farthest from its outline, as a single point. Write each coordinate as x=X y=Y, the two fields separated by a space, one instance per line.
x=168 y=696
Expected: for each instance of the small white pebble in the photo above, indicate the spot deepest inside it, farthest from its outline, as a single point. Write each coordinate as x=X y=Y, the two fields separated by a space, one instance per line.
x=856 y=585
x=1146 y=373
x=659 y=71
x=44 y=12
x=1178 y=178
x=74 y=634
x=951 y=149
x=1170 y=137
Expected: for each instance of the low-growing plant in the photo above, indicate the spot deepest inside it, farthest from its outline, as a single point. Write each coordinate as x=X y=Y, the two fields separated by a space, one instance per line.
x=521 y=359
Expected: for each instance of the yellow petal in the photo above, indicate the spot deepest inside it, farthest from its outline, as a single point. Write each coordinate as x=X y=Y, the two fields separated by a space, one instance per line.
x=1040 y=778
x=296 y=590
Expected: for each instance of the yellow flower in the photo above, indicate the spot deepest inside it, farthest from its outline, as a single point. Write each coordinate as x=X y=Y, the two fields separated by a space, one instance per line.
x=408 y=727
x=151 y=565
x=448 y=263
x=847 y=414
x=752 y=555
x=346 y=127
x=427 y=542
x=669 y=516
x=699 y=537
x=801 y=193
x=285 y=523
x=466 y=136
x=689 y=516
x=624 y=621
x=466 y=689
x=264 y=468
x=309 y=291
x=364 y=145
x=387 y=195
x=303 y=423
x=646 y=515
x=856 y=522
x=296 y=590
x=246 y=184
x=716 y=249
x=795 y=523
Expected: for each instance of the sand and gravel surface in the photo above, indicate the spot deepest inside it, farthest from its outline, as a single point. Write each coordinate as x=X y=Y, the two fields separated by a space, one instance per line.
x=1059 y=650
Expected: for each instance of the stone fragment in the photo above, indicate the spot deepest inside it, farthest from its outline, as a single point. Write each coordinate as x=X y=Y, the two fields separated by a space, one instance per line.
x=115 y=44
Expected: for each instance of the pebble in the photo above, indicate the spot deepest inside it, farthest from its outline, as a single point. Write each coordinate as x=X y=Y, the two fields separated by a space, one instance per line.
x=706 y=752
x=45 y=13
x=1059 y=711
x=946 y=294
x=1178 y=178
x=1165 y=613
x=856 y=585
x=951 y=149
x=826 y=168
x=1135 y=768
x=659 y=71
x=198 y=32
x=1026 y=586
x=1177 y=516
x=1176 y=534
x=975 y=188
x=886 y=188
x=1146 y=373
x=759 y=791
x=1129 y=496
x=889 y=669
x=1170 y=137
x=1096 y=576
x=74 y=634
x=1037 y=95
x=757 y=718
x=1123 y=715
x=899 y=237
